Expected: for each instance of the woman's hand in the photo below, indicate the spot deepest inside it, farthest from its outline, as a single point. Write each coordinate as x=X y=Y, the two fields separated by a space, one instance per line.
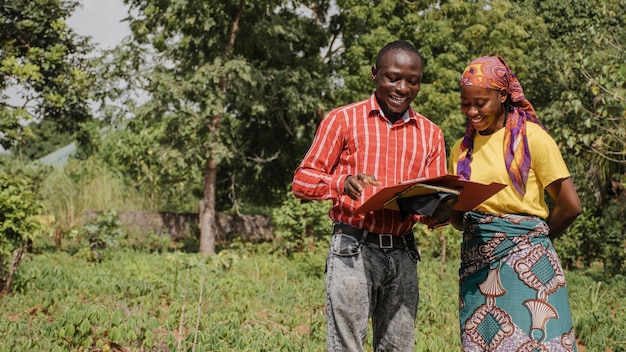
x=566 y=206
x=433 y=223
x=456 y=219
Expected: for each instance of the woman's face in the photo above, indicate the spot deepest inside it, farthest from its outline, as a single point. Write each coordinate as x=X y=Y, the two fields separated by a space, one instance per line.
x=484 y=108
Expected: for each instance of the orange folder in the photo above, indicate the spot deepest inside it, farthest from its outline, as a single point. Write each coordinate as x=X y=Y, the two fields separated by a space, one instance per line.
x=471 y=194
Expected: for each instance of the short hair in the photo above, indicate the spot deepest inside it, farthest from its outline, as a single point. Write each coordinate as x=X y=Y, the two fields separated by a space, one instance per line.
x=398 y=45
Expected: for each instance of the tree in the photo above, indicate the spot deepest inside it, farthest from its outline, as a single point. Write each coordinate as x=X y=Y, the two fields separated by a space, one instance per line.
x=20 y=223
x=448 y=35
x=569 y=56
x=583 y=50
x=44 y=73
x=45 y=139
x=227 y=81
x=236 y=88
x=583 y=106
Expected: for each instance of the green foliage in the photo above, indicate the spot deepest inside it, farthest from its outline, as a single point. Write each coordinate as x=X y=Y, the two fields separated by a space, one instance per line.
x=159 y=172
x=590 y=51
x=46 y=139
x=598 y=307
x=249 y=108
x=431 y=242
x=302 y=224
x=43 y=63
x=591 y=238
x=19 y=209
x=613 y=245
x=586 y=113
x=240 y=106
x=21 y=167
x=437 y=315
x=569 y=246
x=157 y=243
x=103 y=234
x=20 y=224
x=238 y=300
x=146 y=301
x=87 y=185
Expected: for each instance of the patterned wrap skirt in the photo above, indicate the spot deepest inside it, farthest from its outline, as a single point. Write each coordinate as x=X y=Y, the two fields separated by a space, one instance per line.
x=512 y=288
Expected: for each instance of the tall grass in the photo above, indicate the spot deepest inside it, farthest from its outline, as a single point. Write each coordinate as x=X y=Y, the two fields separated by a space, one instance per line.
x=88 y=185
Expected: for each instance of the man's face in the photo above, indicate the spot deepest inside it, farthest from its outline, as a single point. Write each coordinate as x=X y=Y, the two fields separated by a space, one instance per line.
x=398 y=80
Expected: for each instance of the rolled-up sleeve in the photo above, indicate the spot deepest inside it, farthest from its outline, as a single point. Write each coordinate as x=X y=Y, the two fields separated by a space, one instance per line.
x=314 y=178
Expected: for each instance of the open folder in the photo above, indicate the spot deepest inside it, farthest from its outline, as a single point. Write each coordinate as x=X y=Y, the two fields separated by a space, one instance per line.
x=470 y=194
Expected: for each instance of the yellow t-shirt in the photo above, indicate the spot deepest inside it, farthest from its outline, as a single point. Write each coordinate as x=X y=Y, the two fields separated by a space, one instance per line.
x=488 y=166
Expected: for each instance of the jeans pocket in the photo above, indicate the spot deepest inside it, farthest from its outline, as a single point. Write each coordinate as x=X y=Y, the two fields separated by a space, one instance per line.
x=414 y=255
x=344 y=245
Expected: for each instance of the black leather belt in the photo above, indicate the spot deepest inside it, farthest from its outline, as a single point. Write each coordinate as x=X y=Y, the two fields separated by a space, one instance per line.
x=383 y=241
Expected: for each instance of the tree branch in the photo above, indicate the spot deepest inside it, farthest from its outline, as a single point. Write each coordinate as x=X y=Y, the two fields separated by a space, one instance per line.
x=606 y=90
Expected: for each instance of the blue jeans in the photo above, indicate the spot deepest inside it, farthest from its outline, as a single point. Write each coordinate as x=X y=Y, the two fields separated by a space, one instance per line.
x=364 y=281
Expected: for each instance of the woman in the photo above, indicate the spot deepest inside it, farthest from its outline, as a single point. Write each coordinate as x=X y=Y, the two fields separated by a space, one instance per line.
x=512 y=288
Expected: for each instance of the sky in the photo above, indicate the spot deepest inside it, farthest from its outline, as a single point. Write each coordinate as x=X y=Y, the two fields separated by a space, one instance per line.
x=101 y=20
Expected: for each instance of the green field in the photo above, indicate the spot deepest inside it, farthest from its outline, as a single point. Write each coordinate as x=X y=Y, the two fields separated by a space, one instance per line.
x=249 y=298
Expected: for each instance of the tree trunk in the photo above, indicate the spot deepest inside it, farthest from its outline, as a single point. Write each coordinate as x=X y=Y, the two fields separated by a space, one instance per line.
x=208 y=228
x=442 y=268
x=15 y=264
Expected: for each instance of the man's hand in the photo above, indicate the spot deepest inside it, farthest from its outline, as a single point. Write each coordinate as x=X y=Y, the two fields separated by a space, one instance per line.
x=441 y=215
x=354 y=185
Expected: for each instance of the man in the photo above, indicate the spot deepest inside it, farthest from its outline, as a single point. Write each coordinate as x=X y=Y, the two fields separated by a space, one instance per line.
x=358 y=148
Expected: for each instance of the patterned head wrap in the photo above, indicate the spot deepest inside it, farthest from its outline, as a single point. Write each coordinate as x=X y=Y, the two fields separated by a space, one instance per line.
x=492 y=72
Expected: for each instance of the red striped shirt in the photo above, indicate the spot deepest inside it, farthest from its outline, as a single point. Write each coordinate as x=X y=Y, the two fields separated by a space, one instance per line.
x=355 y=139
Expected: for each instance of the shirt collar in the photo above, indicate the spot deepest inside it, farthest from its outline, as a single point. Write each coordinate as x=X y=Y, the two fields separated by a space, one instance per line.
x=375 y=107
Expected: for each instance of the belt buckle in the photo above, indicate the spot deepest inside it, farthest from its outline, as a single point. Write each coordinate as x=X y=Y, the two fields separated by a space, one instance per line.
x=385 y=241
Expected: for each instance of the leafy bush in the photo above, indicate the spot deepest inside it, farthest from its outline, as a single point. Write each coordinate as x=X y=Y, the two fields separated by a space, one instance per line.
x=614 y=244
x=239 y=300
x=302 y=224
x=592 y=238
x=102 y=232
x=430 y=242
x=570 y=245
x=20 y=224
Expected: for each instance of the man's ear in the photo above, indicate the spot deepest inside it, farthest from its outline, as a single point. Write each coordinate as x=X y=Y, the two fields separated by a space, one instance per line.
x=374 y=72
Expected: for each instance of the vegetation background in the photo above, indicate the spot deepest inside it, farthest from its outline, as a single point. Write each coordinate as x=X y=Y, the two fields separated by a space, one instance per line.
x=209 y=106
